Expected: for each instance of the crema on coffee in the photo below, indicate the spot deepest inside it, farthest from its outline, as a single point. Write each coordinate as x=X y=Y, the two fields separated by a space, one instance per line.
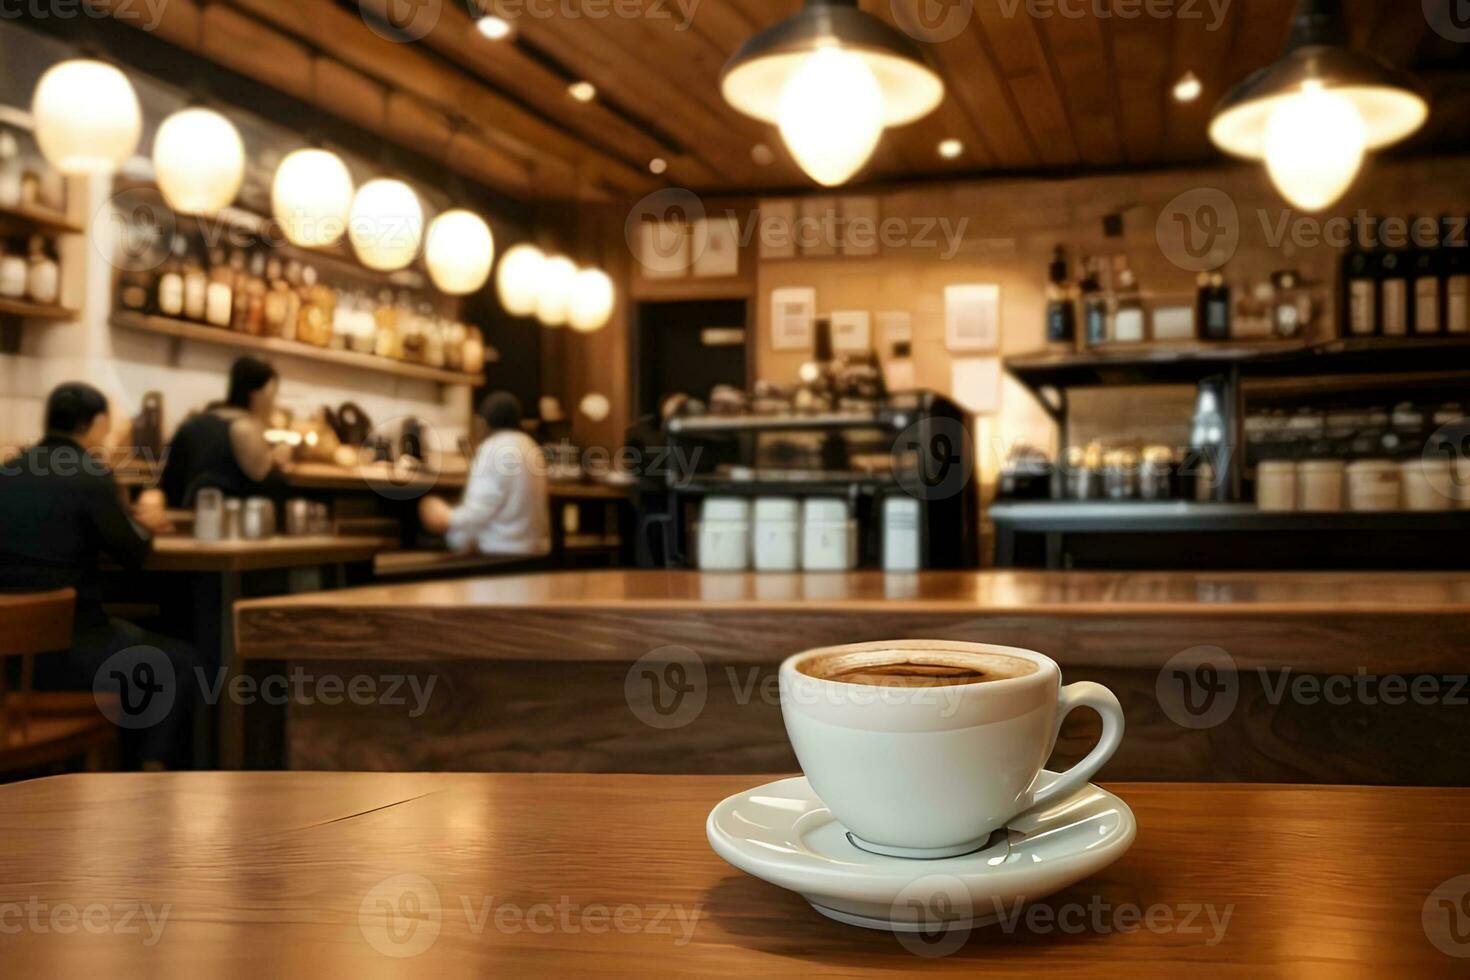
x=917 y=668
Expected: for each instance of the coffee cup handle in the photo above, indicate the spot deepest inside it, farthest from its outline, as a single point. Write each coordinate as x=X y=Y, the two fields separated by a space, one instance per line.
x=1105 y=703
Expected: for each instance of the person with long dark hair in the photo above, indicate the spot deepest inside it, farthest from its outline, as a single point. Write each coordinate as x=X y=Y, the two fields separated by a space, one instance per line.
x=506 y=509
x=224 y=446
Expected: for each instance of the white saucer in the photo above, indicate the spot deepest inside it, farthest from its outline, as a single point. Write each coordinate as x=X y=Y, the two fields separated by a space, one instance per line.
x=782 y=833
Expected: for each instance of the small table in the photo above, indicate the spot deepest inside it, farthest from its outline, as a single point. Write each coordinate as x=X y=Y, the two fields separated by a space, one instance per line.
x=469 y=874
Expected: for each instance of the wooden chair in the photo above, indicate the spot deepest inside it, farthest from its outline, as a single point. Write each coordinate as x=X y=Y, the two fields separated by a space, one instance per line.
x=40 y=730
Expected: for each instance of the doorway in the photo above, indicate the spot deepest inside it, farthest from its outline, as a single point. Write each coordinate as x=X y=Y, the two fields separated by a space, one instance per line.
x=689 y=347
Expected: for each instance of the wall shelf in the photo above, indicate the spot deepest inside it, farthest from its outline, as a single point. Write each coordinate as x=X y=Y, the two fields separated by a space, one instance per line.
x=188 y=330
x=30 y=219
x=26 y=309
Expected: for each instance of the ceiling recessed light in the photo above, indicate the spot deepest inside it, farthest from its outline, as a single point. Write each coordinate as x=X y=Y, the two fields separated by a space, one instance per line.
x=762 y=155
x=582 y=91
x=1188 y=88
x=951 y=149
x=495 y=28
x=658 y=165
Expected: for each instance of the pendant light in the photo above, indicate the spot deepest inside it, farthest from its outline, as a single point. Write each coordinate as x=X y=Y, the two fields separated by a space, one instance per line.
x=459 y=250
x=87 y=117
x=386 y=224
x=831 y=78
x=591 y=301
x=554 y=290
x=199 y=161
x=311 y=194
x=1314 y=113
x=518 y=280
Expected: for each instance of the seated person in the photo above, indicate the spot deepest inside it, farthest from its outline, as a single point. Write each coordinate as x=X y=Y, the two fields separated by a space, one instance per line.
x=506 y=509
x=224 y=446
x=60 y=509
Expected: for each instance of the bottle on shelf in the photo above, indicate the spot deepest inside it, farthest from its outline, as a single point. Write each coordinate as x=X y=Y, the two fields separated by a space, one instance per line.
x=273 y=316
x=43 y=277
x=1094 y=304
x=1129 y=320
x=10 y=170
x=1061 y=310
x=385 y=318
x=291 y=319
x=196 y=287
x=219 y=296
x=1393 y=290
x=170 y=296
x=1215 y=302
x=1428 y=311
x=240 y=292
x=1455 y=240
x=1360 y=282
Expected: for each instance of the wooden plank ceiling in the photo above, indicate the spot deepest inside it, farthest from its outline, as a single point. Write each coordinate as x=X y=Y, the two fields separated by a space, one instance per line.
x=1085 y=89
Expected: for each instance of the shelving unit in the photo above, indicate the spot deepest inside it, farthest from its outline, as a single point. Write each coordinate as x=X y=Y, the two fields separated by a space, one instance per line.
x=187 y=330
x=27 y=220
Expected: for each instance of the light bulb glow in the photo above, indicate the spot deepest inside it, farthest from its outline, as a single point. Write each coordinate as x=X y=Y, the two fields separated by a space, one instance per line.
x=459 y=251
x=1315 y=142
x=493 y=28
x=311 y=197
x=592 y=301
x=831 y=115
x=386 y=224
x=1188 y=88
x=87 y=117
x=518 y=280
x=199 y=160
x=554 y=291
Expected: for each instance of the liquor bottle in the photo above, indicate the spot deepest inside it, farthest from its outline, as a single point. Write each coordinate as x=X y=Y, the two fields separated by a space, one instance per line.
x=219 y=297
x=273 y=316
x=1428 y=312
x=1456 y=246
x=170 y=299
x=291 y=320
x=1128 y=315
x=1360 y=284
x=1393 y=290
x=1061 y=311
x=1094 y=304
x=43 y=277
x=196 y=287
x=1217 y=309
x=240 y=284
x=255 y=292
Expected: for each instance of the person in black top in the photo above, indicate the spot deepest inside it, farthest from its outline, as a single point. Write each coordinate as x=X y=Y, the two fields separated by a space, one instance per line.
x=224 y=446
x=60 y=510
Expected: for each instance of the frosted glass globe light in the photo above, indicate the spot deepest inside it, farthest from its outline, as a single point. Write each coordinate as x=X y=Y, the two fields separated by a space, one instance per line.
x=386 y=224
x=518 y=280
x=459 y=251
x=311 y=197
x=831 y=115
x=592 y=301
x=87 y=117
x=1315 y=142
x=595 y=406
x=554 y=291
x=199 y=160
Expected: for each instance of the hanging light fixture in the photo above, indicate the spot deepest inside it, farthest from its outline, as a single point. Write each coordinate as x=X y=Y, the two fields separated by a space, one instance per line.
x=592 y=301
x=311 y=197
x=554 y=290
x=831 y=78
x=459 y=251
x=386 y=224
x=1314 y=113
x=87 y=117
x=518 y=280
x=199 y=160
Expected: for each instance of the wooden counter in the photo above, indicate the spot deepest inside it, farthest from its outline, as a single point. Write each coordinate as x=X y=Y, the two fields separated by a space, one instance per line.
x=186 y=554
x=579 y=659
x=471 y=874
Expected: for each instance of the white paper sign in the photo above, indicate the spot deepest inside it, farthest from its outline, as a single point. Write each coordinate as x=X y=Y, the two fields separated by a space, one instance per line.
x=716 y=246
x=793 y=316
x=894 y=327
x=663 y=249
x=972 y=317
x=852 y=330
x=975 y=383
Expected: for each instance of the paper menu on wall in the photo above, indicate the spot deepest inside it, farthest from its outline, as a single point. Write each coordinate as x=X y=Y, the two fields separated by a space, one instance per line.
x=793 y=312
x=895 y=332
x=975 y=383
x=972 y=317
x=852 y=330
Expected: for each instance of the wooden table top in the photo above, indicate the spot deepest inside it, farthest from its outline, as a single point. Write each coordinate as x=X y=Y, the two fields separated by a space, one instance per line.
x=294 y=874
x=179 y=553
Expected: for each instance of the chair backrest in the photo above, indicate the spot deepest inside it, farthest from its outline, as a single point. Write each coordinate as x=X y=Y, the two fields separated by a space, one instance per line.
x=30 y=623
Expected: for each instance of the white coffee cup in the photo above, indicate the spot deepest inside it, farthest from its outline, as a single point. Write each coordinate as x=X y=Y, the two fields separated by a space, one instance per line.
x=930 y=772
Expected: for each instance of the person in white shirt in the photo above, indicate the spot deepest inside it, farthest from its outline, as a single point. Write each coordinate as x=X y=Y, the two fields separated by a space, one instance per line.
x=506 y=509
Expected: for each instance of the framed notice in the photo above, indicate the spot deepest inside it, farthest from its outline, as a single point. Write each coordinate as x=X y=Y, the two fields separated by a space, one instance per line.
x=895 y=332
x=793 y=318
x=852 y=330
x=974 y=383
x=972 y=317
x=717 y=246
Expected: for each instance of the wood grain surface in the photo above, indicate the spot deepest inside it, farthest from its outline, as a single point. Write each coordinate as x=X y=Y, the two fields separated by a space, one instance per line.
x=470 y=875
x=185 y=554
